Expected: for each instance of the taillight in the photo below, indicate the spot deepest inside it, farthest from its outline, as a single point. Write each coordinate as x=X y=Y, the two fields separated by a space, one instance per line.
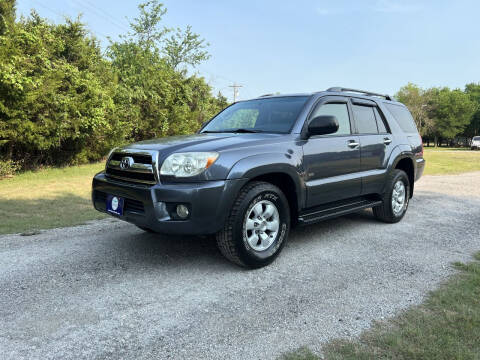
x=420 y=153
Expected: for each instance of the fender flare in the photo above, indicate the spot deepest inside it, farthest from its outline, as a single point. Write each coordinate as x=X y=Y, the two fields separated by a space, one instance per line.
x=264 y=164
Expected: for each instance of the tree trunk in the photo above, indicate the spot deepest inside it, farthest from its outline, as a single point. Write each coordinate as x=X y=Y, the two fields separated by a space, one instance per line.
x=435 y=141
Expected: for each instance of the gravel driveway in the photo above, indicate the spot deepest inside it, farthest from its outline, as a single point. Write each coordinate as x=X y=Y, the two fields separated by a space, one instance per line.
x=108 y=290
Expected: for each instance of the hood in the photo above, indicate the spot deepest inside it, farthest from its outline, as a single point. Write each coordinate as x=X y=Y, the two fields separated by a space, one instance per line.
x=205 y=142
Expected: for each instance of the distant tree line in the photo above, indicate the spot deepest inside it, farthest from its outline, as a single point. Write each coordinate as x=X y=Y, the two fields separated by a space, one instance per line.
x=442 y=115
x=65 y=101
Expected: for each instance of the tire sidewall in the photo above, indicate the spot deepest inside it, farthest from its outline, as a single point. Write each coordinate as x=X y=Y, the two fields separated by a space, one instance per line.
x=247 y=254
x=399 y=175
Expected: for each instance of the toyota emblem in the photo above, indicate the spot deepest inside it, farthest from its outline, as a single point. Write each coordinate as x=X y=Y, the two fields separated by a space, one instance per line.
x=126 y=163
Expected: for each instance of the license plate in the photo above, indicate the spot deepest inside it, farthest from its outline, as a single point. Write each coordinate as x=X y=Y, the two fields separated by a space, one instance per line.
x=115 y=205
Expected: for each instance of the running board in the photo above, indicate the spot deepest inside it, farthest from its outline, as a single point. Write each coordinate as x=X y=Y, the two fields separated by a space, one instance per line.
x=337 y=209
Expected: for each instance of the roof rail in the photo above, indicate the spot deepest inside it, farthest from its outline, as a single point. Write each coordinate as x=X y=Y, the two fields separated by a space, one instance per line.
x=266 y=95
x=341 y=89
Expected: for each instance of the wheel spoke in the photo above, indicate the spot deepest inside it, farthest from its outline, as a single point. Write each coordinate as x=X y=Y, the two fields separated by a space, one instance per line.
x=264 y=238
x=273 y=225
x=253 y=240
x=250 y=224
x=258 y=209
x=269 y=210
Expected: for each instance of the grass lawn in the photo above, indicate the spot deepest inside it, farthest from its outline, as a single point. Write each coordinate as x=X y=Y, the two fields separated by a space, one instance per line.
x=440 y=162
x=445 y=326
x=48 y=198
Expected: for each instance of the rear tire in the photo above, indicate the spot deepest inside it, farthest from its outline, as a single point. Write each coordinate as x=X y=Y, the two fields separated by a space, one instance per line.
x=396 y=198
x=257 y=227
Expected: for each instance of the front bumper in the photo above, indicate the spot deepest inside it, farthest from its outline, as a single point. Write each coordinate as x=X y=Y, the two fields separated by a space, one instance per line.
x=152 y=207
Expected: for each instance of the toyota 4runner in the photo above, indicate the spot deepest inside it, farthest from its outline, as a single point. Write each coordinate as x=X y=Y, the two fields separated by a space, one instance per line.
x=261 y=166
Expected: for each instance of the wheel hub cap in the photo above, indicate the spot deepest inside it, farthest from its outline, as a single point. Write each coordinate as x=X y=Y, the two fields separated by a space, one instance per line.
x=398 y=198
x=261 y=225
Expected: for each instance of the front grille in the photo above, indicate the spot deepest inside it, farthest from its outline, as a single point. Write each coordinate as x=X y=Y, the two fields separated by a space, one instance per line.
x=138 y=158
x=131 y=176
x=141 y=170
x=133 y=206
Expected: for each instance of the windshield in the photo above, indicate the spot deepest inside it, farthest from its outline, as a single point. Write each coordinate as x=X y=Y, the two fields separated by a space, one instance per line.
x=476 y=138
x=276 y=115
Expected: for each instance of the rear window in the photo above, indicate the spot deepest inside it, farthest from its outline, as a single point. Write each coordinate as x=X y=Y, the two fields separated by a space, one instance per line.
x=365 y=119
x=403 y=117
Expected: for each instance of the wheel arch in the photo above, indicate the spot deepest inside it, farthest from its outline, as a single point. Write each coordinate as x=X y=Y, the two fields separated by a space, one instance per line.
x=274 y=170
x=406 y=163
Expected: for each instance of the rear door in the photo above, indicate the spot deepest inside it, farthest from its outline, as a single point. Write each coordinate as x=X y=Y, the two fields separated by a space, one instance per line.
x=375 y=144
x=332 y=162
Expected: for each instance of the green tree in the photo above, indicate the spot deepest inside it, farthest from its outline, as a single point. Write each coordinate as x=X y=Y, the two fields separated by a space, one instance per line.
x=185 y=47
x=7 y=15
x=417 y=100
x=153 y=97
x=451 y=111
x=55 y=94
x=147 y=29
x=473 y=129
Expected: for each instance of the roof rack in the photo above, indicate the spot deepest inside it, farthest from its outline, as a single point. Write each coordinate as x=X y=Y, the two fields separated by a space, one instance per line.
x=341 y=89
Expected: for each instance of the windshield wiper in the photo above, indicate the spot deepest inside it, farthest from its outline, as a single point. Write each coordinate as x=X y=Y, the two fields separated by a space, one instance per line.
x=240 y=130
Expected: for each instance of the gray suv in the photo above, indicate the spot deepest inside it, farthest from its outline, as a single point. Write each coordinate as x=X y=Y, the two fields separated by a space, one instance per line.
x=261 y=166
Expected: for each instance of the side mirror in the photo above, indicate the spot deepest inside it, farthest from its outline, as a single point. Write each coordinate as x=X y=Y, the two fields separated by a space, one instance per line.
x=323 y=125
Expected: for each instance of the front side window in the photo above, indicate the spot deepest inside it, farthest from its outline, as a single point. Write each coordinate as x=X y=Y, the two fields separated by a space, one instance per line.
x=340 y=111
x=365 y=119
x=277 y=115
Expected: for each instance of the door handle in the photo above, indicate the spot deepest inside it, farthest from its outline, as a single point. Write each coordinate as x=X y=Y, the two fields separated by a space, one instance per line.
x=387 y=141
x=353 y=144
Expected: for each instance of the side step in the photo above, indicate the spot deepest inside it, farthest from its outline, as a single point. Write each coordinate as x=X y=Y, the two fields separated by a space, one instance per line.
x=332 y=210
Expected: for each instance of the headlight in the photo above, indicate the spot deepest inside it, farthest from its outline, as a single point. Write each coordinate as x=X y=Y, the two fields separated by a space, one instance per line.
x=108 y=156
x=188 y=164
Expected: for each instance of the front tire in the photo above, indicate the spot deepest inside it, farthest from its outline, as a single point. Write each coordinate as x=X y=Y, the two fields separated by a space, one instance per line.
x=396 y=198
x=257 y=227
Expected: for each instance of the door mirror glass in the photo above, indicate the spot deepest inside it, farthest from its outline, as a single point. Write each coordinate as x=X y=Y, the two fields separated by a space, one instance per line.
x=323 y=125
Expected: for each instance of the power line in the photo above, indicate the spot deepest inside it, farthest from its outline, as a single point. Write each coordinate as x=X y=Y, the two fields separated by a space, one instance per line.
x=93 y=10
x=65 y=16
x=119 y=20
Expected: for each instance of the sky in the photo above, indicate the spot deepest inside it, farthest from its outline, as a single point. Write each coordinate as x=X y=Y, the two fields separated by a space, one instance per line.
x=305 y=46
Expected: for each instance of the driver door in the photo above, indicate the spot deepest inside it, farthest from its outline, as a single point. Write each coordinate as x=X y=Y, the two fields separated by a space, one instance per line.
x=332 y=162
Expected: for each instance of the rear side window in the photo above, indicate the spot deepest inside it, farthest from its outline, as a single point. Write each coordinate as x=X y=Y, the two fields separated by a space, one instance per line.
x=365 y=119
x=403 y=117
x=340 y=111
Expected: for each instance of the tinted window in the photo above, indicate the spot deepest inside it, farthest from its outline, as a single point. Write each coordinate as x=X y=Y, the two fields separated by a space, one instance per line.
x=365 y=119
x=380 y=122
x=276 y=114
x=403 y=117
x=340 y=111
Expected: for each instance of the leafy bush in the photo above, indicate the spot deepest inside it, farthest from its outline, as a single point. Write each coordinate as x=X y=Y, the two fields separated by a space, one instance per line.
x=8 y=168
x=63 y=102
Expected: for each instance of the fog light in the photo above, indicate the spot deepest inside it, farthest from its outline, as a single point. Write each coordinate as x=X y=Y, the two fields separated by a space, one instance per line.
x=182 y=211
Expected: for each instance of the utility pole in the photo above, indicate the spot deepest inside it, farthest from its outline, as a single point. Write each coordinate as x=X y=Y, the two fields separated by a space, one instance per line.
x=235 y=91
